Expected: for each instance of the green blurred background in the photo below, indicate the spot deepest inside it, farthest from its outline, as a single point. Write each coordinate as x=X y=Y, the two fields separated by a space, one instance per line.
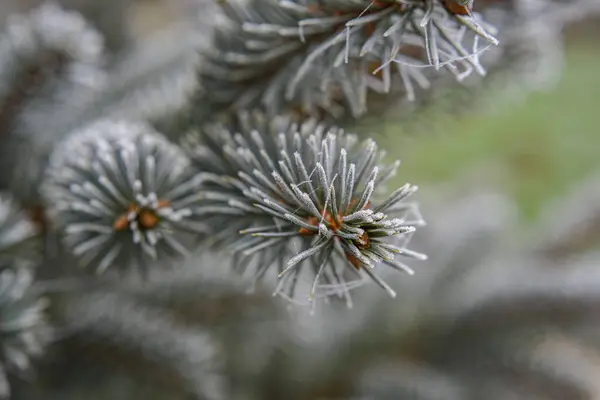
x=539 y=147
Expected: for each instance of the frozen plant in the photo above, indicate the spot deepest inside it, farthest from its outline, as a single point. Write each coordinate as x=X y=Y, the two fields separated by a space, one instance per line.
x=202 y=177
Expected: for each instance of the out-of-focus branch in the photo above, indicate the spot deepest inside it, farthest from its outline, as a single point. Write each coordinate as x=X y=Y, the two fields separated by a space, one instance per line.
x=50 y=63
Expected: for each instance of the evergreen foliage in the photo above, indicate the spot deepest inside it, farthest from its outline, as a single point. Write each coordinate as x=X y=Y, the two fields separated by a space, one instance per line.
x=207 y=168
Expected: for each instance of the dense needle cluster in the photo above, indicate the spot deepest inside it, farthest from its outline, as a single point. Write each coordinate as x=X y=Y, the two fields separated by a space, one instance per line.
x=215 y=152
x=317 y=56
x=23 y=328
x=118 y=192
x=304 y=200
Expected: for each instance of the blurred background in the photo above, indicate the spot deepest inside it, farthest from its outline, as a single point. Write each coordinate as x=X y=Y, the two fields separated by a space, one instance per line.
x=506 y=307
x=543 y=145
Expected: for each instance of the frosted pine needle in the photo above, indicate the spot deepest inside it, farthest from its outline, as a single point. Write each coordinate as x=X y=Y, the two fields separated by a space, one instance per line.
x=119 y=193
x=23 y=328
x=305 y=200
x=214 y=151
x=327 y=55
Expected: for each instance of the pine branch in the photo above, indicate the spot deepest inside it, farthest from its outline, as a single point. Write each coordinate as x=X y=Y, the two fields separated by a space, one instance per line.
x=119 y=194
x=51 y=63
x=508 y=326
x=529 y=59
x=335 y=347
x=320 y=57
x=299 y=200
x=305 y=189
